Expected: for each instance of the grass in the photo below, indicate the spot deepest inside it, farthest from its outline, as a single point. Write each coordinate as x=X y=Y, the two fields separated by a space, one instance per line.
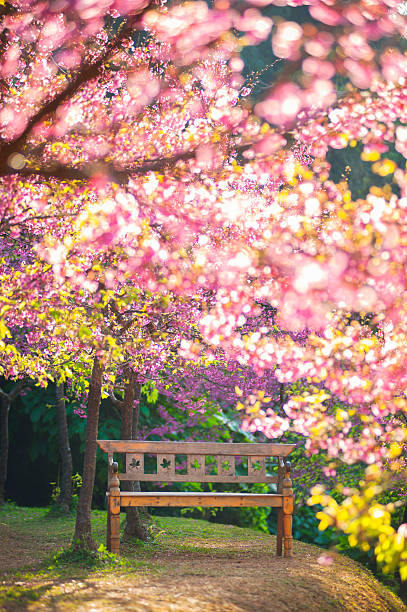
x=188 y=565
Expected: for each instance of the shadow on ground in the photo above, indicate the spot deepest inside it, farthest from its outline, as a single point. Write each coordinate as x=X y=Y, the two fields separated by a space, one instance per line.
x=190 y=566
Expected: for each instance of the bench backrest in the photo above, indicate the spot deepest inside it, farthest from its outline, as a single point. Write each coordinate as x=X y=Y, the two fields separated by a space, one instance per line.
x=192 y=458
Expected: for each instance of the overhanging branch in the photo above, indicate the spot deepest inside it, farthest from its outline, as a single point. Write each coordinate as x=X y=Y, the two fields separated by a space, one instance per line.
x=120 y=177
x=89 y=71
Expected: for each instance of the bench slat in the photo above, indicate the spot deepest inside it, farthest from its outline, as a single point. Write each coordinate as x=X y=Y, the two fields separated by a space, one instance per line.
x=217 y=500
x=245 y=449
x=192 y=477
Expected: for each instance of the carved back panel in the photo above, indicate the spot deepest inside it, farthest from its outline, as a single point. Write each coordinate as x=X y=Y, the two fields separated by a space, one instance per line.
x=196 y=461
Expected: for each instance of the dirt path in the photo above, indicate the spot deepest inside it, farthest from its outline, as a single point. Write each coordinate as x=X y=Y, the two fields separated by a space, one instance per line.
x=20 y=549
x=229 y=585
x=189 y=568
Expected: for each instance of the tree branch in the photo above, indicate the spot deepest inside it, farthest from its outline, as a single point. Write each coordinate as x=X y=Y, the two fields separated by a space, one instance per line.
x=89 y=71
x=7 y=9
x=11 y=396
x=115 y=401
x=16 y=390
x=118 y=176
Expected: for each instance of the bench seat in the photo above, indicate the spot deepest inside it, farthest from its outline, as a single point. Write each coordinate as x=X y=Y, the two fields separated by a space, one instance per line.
x=217 y=500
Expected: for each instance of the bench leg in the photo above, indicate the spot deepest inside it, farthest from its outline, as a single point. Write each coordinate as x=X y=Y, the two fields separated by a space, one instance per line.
x=279 y=532
x=288 y=509
x=288 y=538
x=108 y=533
x=113 y=529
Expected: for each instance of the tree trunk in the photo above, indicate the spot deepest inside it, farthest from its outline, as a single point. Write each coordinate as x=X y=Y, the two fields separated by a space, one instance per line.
x=65 y=497
x=128 y=403
x=6 y=400
x=135 y=517
x=83 y=536
x=4 y=411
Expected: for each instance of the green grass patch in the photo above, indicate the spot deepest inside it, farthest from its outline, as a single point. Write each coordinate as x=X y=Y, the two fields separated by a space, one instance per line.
x=187 y=564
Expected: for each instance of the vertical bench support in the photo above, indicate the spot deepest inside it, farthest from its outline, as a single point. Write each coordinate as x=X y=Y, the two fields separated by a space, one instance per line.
x=280 y=478
x=288 y=508
x=113 y=510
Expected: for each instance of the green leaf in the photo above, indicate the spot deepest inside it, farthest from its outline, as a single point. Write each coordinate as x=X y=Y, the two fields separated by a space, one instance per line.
x=36 y=413
x=56 y=315
x=84 y=332
x=145 y=410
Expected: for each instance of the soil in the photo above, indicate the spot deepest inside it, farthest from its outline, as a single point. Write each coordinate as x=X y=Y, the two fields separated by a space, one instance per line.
x=191 y=566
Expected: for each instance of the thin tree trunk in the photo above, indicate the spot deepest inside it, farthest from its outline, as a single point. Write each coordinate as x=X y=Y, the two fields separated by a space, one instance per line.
x=6 y=400
x=144 y=513
x=65 y=497
x=83 y=536
x=136 y=411
x=127 y=406
x=4 y=411
x=135 y=517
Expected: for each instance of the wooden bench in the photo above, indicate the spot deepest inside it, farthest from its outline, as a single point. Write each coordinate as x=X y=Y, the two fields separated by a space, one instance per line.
x=223 y=457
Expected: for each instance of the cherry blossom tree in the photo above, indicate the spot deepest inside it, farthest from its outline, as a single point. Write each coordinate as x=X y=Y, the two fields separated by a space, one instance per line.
x=132 y=152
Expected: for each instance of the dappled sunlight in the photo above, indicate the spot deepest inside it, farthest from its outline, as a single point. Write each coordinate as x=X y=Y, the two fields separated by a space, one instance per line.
x=188 y=564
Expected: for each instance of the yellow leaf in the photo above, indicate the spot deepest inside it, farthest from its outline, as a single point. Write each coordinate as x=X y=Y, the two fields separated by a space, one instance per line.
x=385 y=167
x=395 y=450
x=371 y=156
x=352 y=540
x=325 y=521
x=403 y=572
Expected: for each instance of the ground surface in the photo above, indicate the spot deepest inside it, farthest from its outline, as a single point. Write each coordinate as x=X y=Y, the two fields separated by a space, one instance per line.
x=190 y=566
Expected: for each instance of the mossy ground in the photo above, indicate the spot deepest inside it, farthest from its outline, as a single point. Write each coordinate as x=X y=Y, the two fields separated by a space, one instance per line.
x=188 y=566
